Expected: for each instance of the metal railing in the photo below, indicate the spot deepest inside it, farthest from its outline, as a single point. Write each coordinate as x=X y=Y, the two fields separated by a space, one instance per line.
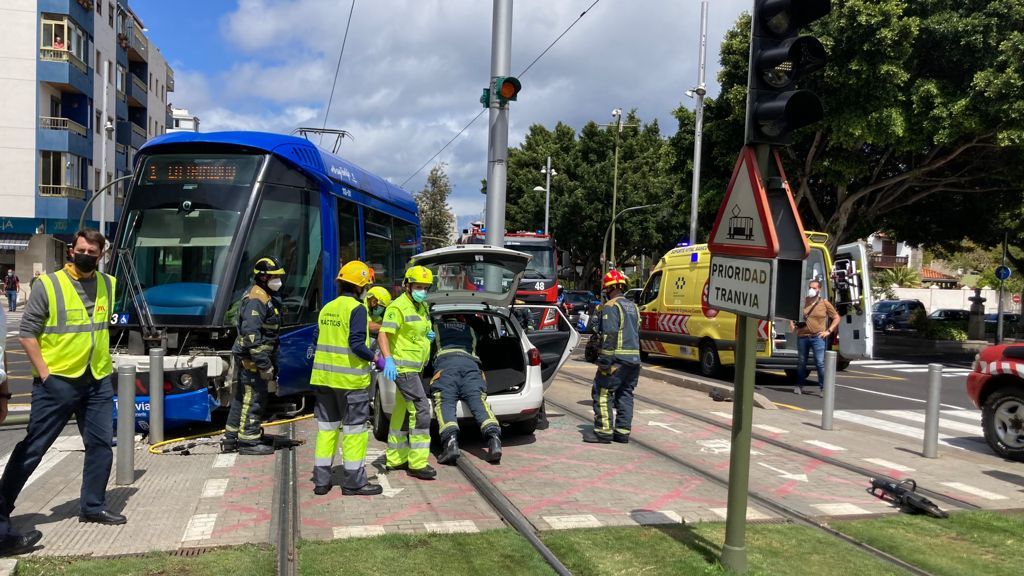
x=61 y=191
x=138 y=129
x=54 y=123
x=887 y=261
x=55 y=55
x=139 y=83
x=121 y=96
x=121 y=148
x=137 y=41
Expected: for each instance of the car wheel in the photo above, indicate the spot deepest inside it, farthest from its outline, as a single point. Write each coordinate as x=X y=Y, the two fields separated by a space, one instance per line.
x=889 y=327
x=1002 y=419
x=842 y=364
x=524 y=427
x=710 y=365
x=381 y=422
x=644 y=356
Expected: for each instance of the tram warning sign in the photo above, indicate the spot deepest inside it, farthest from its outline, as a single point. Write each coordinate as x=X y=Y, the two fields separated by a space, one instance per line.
x=742 y=285
x=744 y=225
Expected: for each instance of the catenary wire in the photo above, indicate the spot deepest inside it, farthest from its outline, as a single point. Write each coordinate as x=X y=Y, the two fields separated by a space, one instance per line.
x=481 y=113
x=337 y=69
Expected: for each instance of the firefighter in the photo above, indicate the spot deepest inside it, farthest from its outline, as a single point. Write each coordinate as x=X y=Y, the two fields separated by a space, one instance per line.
x=404 y=339
x=255 y=352
x=377 y=300
x=618 y=364
x=341 y=382
x=457 y=376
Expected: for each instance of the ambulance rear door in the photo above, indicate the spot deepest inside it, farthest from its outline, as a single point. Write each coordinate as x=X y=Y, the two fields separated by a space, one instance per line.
x=851 y=291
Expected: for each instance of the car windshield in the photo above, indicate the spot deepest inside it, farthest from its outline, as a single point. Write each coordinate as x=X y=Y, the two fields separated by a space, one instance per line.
x=578 y=298
x=884 y=306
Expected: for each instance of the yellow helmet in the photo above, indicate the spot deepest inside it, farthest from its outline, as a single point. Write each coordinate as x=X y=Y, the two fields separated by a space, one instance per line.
x=381 y=294
x=419 y=275
x=268 y=265
x=356 y=273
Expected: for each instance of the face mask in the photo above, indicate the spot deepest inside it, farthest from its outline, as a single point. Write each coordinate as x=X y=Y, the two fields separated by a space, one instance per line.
x=812 y=293
x=275 y=284
x=84 y=262
x=419 y=295
x=378 y=310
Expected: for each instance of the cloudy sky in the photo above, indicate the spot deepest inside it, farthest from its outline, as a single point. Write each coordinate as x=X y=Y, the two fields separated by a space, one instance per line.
x=413 y=70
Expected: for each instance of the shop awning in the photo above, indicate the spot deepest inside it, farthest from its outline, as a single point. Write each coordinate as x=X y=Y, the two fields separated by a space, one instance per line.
x=14 y=241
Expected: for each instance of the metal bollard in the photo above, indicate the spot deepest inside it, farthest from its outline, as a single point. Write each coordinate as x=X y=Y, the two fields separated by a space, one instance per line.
x=125 y=424
x=156 y=395
x=829 y=390
x=931 y=414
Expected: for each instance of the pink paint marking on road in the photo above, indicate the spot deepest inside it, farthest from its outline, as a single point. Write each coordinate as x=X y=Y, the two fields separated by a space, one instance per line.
x=425 y=507
x=600 y=478
x=259 y=516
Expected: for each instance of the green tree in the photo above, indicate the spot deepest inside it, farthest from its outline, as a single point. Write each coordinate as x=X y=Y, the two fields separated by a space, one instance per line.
x=436 y=219
x=923 y=99
x=900 y=276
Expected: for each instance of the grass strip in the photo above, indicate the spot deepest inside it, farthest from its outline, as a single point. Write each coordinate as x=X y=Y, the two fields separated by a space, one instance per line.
x=239 y=561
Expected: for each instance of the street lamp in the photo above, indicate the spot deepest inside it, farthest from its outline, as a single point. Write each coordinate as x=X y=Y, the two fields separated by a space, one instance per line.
x=611 y=230
x=547 y=192
x=698 y=126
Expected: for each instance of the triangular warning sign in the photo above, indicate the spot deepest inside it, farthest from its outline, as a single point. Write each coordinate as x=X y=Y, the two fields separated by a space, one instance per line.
x=744 y=226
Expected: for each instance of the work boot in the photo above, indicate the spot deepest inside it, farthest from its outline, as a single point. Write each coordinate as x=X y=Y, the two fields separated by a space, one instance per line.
x=256 y=448
x=451 y=451
x=620 y=438
x=594 y=438
x=321 y=490
x=402 y=466
x=425 y=473
x=493 y=449
x=367 y=490
x=228 y=445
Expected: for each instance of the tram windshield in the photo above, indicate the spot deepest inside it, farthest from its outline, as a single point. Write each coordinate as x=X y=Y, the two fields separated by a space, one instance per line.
x=182 y=217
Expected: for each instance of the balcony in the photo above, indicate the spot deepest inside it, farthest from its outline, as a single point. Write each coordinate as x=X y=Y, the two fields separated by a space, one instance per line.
x=138 y=135
x=64 y=70
x=878 y=261
x=138 y=46
x=121 y=157
x=137 y=91
x=53 y=55
x=66 y=124
x=59 y=191
x=63 y=135
x=170 y=79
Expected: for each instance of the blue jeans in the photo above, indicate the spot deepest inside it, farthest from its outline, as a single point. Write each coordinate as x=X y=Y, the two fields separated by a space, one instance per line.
x=12 y=300
x=54 y=400
x=805 y=343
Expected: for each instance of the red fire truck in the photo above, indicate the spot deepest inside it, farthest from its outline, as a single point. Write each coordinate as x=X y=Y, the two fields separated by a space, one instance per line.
x=540 y=281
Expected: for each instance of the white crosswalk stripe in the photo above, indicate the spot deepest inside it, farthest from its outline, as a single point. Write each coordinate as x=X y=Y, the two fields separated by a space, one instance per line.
x=947 y=371
x=954 y=425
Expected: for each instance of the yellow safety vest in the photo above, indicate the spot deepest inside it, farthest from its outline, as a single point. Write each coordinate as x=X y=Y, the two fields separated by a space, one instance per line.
x=72 y=341
x=335 y=365
x=406 y=324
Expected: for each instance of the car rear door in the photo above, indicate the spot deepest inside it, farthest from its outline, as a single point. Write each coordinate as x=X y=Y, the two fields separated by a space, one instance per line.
x=554 y=337
x=851 y=284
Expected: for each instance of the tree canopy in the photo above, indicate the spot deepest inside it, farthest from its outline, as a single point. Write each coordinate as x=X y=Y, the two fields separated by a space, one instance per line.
x=436 y=219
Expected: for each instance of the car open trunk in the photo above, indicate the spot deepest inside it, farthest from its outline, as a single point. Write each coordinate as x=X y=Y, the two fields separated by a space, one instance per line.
x=500 y=351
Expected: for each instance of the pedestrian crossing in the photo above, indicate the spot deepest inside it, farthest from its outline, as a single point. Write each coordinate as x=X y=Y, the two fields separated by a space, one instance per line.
x=905 y=368
x=955 y=426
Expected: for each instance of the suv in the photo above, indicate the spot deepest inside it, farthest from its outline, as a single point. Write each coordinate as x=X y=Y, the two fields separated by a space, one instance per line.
x=889 y=315
x=519 y=363
x=577 y=301
x=996 y=386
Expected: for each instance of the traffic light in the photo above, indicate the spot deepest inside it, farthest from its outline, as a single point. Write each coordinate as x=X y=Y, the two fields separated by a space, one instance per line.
x=779 y=57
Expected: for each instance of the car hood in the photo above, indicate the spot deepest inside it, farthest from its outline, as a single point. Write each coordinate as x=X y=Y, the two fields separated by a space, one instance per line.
x=461 y=274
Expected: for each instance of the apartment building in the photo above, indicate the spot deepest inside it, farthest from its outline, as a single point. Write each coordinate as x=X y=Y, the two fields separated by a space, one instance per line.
x=83 y=89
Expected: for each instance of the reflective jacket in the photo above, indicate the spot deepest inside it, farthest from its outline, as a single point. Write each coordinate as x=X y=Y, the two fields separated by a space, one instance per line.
x=406 y=323
x=335 y=364
x=455 y=336
x=72 y=340
x=620 y=332
x=259 y=322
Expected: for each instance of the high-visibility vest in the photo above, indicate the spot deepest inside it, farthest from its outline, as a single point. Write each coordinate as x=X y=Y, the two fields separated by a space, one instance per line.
x=335 y=365
x=626 y=340
x=406 y=324
x=72 y=341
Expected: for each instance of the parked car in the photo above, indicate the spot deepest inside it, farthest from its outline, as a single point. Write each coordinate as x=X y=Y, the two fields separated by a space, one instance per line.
x=577 y=301
x=634 y=294
x=992 y=319
x=996 y=386
x=518 y=364
x=889 y=315
x=947 y=314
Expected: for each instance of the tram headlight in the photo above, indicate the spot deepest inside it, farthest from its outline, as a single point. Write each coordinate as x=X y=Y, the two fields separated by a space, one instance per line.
x=185 y=381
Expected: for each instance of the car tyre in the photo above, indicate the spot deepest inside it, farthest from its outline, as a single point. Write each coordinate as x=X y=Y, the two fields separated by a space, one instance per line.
x=842 y=364
x=710 y=364
x=524 y=427
x=644 y=356
x=381 y=422
x=1003 y=409
x=889 y=327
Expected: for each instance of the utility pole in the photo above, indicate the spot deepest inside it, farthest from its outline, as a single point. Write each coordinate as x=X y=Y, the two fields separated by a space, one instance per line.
x=103 y=163
x=547 y=196
x=617 y=114
x=497 y=135
x=698 y=126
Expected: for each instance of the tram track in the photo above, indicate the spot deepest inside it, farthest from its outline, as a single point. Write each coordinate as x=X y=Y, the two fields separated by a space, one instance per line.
x=285 y=515
x=781 y=509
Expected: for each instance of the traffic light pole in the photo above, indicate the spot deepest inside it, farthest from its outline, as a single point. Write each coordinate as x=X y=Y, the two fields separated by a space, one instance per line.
x=497 y=135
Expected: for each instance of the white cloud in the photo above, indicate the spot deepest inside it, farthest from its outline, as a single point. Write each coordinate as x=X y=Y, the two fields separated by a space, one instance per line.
x=413 y=70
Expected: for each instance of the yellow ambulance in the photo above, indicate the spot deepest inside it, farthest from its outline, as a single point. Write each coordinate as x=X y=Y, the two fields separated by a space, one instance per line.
x=676 y=320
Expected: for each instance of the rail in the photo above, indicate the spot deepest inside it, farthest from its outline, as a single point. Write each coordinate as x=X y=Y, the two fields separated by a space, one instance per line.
x=139 y=83
x=887 y=261
x=61 y=191
x=137 y=41
x=138 y=129
x=55 y=55
x=56 y=123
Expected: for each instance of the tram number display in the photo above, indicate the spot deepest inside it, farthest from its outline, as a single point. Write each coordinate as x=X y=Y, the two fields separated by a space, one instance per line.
x=198 y=169
x=193 y=173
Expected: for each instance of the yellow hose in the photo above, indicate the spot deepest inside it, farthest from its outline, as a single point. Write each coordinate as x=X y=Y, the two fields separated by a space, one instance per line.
x=154 y=448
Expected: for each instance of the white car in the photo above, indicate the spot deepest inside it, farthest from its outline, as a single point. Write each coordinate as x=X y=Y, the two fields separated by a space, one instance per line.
x=518 y=363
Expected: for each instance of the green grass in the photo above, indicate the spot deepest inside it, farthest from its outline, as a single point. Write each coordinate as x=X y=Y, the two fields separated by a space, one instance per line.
x=240 y=561
x=965 y=543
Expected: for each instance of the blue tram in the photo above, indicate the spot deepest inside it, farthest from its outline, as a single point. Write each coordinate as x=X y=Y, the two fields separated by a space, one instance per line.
x=200 y=210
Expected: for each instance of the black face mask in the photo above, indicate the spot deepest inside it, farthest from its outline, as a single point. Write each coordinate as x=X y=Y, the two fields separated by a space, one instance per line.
x=85 y=262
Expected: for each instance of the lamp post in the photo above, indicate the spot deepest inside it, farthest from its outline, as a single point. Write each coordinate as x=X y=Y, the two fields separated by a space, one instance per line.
x=611 y=230
x=698 y=125
x=617 y=114
x=99 y=193
x=547 y=192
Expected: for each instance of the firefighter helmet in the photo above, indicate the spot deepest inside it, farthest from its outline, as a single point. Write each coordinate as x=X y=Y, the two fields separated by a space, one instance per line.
x=419 y=275
x=613 y=278
x=381 y=294
x=356 y=273
x=268 y=265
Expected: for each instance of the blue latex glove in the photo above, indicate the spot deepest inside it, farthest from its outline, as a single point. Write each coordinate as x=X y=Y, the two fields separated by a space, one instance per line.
x=431 y=335
x=390 y=370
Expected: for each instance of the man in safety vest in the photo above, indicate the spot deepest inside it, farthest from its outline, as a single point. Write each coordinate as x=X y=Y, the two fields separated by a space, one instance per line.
x=404 y=340
x=618 y=364
x=255 y=352
x=341 y=381
x=377 y=300
x=457 y=376
x=64 y=333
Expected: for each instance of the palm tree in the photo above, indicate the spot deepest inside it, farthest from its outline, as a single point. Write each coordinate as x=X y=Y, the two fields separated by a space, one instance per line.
x=900 y=276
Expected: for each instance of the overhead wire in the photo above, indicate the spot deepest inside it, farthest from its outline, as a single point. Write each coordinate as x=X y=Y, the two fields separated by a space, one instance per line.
x=337 y=69
x=481 y=113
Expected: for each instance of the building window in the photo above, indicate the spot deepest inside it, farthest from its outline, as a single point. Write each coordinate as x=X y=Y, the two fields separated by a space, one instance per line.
x=99 y=8
x=151 y=81
x=99 y=58
x=110 y=14
x=110 y=133
x=53 y=35
x=60 y=169
x=110 y=75
x=120 y=81
x=96 y=175
x=99 y=120
x=54 y=107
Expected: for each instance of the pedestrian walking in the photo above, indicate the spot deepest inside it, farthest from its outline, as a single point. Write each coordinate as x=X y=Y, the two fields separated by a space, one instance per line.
x=11 y=286
x=618 y=363
x=11 y=542
x=813 y=333
x=404 y=339
x=255 y=352
x=64 y=332
x=457 y=377
x=341 y=382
